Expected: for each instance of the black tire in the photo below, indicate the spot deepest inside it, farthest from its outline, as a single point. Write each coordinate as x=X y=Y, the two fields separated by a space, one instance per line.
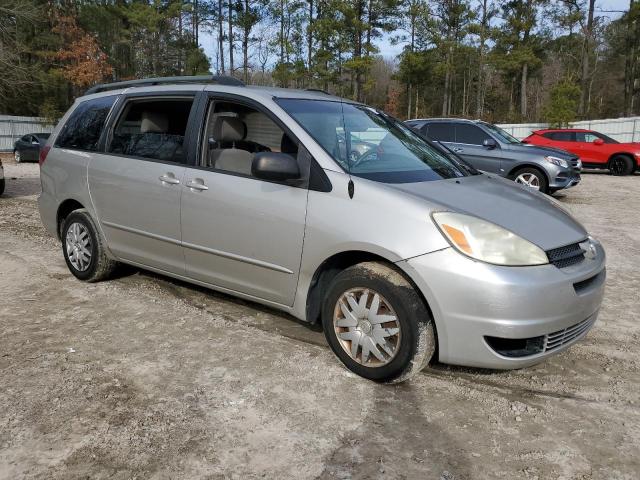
x=542 y=178
x=620 y=165
x=100 y=266
x=417 y=339
x=2 y=186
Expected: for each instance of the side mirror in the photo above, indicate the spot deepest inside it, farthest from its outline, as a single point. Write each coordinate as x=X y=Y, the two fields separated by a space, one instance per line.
x=598 y=141
x=489 y=143
x=35 y=142
x=275 y=166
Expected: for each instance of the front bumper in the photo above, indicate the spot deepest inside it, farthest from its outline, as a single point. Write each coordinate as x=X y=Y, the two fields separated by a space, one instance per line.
x=564 y=178
x=472 y=300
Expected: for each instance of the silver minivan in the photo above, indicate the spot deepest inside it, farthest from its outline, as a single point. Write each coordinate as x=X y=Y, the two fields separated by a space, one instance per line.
x=402 y=253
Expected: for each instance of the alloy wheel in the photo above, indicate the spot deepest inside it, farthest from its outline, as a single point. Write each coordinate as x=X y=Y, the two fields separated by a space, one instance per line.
x=367 y=327
x=16 y=156
x=529 y=180
x=78 y=245
x=618 y=166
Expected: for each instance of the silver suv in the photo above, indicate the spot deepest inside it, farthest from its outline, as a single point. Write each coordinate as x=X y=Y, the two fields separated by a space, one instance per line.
x=489 y=148
x=400 y=251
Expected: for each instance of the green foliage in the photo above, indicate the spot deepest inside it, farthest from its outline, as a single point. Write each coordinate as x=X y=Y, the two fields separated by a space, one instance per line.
x=562 y=106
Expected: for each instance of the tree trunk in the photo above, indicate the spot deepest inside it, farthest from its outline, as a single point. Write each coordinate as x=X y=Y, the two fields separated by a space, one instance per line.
x=310 y=43
x=220 y=37
x=523 y=91
x=231 y=37
x=481 y=84
x=583 y=107
x=245 y=44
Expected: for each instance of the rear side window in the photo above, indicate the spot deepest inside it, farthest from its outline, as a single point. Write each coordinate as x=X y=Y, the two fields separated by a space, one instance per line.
x=470 y=134
x=560 y=136
x=84 y=127
x=152 y=128
x=441 y=132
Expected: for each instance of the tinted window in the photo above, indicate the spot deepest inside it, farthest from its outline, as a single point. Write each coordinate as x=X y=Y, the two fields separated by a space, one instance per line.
x=470 y=134
x=442 y=132
x=560 y=136
x=370 y=144
x=152 y=129
x=82 y=130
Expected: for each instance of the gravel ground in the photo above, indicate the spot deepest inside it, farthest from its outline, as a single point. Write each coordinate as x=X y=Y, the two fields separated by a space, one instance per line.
x=146 y=377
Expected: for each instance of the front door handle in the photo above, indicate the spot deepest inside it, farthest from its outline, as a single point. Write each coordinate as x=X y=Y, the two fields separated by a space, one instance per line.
x=169 y=178
x=458 y=150
x=197 y=184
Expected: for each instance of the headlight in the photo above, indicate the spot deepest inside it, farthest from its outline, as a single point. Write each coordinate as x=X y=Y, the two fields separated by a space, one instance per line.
x=557 y=161
x=487 y=242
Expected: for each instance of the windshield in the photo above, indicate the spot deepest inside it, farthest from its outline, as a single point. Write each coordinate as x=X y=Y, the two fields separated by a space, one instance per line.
x=369 y=144
x=500 y=133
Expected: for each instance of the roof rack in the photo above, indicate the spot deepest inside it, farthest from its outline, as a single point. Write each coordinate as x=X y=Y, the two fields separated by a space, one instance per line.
x=142 y=82
x=317 y=90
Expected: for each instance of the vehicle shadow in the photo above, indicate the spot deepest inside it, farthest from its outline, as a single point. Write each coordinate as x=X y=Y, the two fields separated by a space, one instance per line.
x=16 y=187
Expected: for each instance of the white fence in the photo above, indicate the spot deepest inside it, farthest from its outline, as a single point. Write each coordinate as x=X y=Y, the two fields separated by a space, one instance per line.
x=12 y=128
x=621 y=129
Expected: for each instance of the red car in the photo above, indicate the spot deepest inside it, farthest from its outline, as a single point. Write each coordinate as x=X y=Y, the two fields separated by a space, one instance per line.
x=594 y=149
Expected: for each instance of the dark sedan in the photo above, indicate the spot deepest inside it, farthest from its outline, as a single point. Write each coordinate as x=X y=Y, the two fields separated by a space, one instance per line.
x=27 y=147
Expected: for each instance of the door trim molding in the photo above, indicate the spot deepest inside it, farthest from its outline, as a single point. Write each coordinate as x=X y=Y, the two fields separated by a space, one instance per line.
x=219 y=253
x=240 y=258
x=173 y=241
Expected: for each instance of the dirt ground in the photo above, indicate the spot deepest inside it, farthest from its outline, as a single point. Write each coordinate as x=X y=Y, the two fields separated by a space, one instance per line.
x=146 y=377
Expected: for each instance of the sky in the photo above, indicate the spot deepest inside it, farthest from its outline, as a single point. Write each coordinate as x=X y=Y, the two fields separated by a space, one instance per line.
x=604 y=8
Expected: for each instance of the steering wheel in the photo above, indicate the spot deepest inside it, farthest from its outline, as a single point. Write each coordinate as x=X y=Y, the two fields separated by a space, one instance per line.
x=368 y=156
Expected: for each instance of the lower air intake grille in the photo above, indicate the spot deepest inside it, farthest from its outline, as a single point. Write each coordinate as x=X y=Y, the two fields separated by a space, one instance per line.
x=565 y=256
x=562 y=337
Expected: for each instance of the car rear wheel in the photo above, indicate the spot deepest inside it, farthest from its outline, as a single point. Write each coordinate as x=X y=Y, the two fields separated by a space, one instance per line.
x=620 y=165
x=531 y=178
x=377 y=324
x=83 y=248
x=17 y=156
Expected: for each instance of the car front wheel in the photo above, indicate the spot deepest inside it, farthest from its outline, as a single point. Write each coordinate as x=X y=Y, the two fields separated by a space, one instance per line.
x=83 y=248
x=531 y=178
x=377 y=324
x=17 y=156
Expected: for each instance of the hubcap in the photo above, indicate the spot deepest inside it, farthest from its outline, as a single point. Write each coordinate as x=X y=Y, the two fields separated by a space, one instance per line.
x=78 y=245
x=529 y=179
x=367 y=327
x=16 y=155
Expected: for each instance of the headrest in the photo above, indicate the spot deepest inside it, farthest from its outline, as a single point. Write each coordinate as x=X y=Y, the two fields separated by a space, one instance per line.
x=154 y=122
x=287 y=145
x=229 y=129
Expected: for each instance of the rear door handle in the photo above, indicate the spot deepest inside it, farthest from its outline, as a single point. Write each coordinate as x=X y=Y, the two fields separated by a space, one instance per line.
x=197 y=184
x=169 y=178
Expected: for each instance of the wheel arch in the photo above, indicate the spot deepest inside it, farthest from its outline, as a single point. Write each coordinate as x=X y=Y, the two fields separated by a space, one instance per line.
x=64 y=209
x=520 y=166
x=338 y=262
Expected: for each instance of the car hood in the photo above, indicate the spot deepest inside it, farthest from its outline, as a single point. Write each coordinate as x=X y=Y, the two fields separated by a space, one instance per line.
x=538 y=150
x=531 y=215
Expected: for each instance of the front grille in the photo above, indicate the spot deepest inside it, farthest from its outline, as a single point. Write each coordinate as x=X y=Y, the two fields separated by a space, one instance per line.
x=527 y=347
x=566 y=256
x=562 y=337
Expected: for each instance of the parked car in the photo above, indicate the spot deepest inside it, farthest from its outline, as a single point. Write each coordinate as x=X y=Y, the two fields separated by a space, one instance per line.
x=595 y=149
x=1 y=178
x=492 y=150
x=245 y=191
x=27 y=148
